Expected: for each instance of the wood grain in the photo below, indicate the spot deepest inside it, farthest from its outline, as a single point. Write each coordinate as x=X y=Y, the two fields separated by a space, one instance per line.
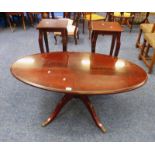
x=79 y=73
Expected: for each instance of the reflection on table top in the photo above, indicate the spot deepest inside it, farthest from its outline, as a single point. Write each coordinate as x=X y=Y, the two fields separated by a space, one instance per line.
x=79 y=73
x=52 y=23
x=106 y=26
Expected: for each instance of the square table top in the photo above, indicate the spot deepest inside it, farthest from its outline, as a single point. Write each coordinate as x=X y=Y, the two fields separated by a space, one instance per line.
x=52 y=24
x=106 y=26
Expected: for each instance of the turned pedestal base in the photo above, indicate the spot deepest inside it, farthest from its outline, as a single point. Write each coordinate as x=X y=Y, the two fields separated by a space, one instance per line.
x=65 y=99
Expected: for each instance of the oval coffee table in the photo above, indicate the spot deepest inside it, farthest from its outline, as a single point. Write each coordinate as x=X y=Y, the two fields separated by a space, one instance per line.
x=78 y=74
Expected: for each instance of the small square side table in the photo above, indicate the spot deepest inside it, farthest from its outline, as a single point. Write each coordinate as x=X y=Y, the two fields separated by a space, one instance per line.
x=52 y=25
x=106 y=28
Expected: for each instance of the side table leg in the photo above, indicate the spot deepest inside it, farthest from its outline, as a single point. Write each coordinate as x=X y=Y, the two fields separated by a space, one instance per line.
x=60 y=105
x=118 y=43
x=46 y=42
x=91 y=109
x=64 y=40
x=40 y=40
x=93 y=41
x=112 y=44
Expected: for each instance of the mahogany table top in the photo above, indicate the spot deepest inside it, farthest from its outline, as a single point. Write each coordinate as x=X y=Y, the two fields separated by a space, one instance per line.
x=52 y=23
x=79 y=73
x=106 y=26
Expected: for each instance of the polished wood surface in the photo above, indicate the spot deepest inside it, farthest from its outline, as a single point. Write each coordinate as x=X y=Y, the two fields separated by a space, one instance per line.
x=79 y=73
x=52 y=25
x=107 y=28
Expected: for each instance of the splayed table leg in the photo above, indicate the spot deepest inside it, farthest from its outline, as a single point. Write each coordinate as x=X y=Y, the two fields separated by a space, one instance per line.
x=66 y=98
x=91 y=109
